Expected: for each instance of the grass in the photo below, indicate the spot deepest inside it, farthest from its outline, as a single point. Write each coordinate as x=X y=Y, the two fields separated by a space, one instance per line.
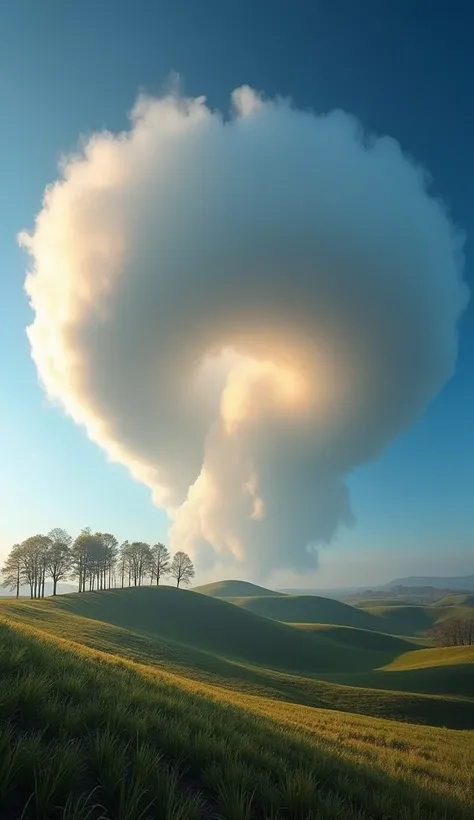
x=458 y=599
x=414 y=620
x=417 y=703
x=395 y=618
x=148 y=703
x=306 y=609
x=186 y=622
x=90 y=735
x=434 y=658
x=230 y=589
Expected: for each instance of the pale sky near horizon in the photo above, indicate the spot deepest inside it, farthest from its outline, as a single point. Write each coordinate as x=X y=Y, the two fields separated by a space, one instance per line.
x=72 y=69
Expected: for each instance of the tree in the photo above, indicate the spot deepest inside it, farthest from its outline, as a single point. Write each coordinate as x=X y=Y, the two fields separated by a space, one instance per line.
x=58 y=556
x=182 y=568
x=124 y=565
x=108 y=559
x=11 y=571
x=454 y=632
x=139 y=559
x=160 y=562
x=33 y=563
x=82 y=553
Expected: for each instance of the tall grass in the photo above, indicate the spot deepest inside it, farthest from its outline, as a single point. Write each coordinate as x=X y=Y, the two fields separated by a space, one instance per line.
x=84 y=737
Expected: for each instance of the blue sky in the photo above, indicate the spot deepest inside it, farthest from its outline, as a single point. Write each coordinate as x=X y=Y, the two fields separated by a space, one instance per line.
x=71 y=68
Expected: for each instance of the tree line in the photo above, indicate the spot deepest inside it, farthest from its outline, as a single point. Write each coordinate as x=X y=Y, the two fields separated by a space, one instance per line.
x=454 y=632
x=95 y=560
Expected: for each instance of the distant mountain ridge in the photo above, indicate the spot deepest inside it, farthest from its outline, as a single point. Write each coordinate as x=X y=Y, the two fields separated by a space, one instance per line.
x=464 y=582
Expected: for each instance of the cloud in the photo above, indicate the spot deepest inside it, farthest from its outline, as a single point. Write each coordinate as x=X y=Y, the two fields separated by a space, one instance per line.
x=242 y=311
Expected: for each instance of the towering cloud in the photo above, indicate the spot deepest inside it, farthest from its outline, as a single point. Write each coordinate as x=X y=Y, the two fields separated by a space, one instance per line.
x=242 y=310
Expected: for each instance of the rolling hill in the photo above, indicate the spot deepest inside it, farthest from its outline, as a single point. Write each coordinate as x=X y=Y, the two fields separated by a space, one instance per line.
x=186 y=622
x=327 y=720
x=392 y=617
x=234 y=589
x=119 y=731
x=308 y=609
x=440 y=671
x=414 y=620
x=458 y=599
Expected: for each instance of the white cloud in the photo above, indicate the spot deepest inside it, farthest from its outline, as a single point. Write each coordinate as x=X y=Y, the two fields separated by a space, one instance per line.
x=243 y=311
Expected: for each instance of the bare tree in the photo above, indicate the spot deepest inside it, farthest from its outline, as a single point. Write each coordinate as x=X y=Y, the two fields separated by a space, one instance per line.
x=11 y=571
x=58 y=556
x=123 y=562
x=454 y=632
x=139 y=558
x=82 y=558
x=108 y=559
x=160 y=562
x=33 y=563
x=182 y=568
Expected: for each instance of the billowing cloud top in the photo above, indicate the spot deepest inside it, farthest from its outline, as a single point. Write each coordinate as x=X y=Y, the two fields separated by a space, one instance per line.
x=242 y=311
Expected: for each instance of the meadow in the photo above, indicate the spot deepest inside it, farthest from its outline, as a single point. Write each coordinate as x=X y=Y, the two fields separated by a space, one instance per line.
x=164 y=703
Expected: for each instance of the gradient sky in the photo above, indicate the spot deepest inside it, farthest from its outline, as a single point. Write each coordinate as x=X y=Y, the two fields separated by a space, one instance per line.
x=71 y=68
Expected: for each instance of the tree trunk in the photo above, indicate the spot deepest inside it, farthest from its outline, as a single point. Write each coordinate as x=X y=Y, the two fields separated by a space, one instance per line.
x=55 y=583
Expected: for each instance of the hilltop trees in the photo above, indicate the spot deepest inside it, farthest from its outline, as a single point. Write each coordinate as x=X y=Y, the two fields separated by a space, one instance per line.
x=160 y=562
x=58 y=556
x=182 y=568
x=11 y=572
x=94 y=560
x=33 y=563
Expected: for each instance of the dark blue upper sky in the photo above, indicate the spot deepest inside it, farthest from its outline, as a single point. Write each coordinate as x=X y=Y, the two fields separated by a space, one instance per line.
x=403 y=68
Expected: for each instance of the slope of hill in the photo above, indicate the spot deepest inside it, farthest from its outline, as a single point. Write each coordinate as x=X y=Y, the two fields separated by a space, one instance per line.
x=457 y=599
x=414 y=620
x=393 y=618
x=464 y=582
x=441 y=670
x=308 y=609
x=234 y=589
x=117 y=733
x=182 y=619
x=366 y=639
x=191 y=664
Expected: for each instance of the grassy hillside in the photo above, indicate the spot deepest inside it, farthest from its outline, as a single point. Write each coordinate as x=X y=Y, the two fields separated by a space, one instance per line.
x=365 y=639
x=87 y=735
x=414 y=620
x=212 y=625
x=434 y=658
x=362 y=653
x=458 y=599
x=192 y=630
x=234 y=589
x=307 y=609
x=395 y=619
x=447 y=671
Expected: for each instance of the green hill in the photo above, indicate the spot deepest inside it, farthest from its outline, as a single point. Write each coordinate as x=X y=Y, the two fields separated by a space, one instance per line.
x=441 y=670
x=307 y=609
x=414 y=620
x=185 y=622
x=234 y=589
x=366 y=639
x=86 y=735
x=458 y=599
